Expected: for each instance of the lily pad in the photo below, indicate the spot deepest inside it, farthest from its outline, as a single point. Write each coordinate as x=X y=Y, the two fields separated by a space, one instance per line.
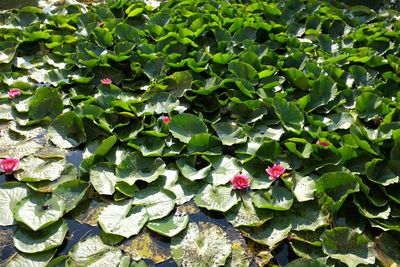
x=45 y=239
x=203 y=244
x=39 y=210
x=135 y=167
x=36 y=169
x=189 y=171
x=158 y=203
x=31 y=260
x=275 y=198
x=245 y=214
x=10 y=194
x=121 y=219
x=348 y=246
x=93 y=252
x=185 y=126
x=67 y=130
x=220 y=198
x=169 y=226
x=103 y=179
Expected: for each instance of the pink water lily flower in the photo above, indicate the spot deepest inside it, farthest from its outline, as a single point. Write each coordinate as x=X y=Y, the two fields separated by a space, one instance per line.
x=9 y=165
x=14 y=92
x=165 y=119
x=275 y=171
x=106 y=81
x=240 y=181
x=322 y=143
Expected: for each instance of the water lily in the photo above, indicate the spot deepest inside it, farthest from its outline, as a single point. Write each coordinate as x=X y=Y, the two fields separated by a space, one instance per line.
x=240 y=181
x=9 y=165
x=14 y=92
x=322 y=143
x=165 y=119
x=106 y=81
x=275 y=171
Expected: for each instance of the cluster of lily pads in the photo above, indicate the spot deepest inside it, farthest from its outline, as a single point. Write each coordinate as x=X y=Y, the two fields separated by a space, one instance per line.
x=281 y=116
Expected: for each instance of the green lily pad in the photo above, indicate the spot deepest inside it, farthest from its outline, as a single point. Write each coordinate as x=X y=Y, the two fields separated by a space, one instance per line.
x=185 y=126
x=71 y=193
x=158 y=203
x=337 y=186
x=36 y=169
x=10 y=194
x=31 y=260
x=348 y=246
x=67 y=130
x=45 y=239
x=203 y=244
x=39 y=211
x=93 y=252
x=135 y=167
x=289 y=114
x=189 y=171
x=121 y=219
x=229 y=133
x=245 y=214
x=103 y=179
x=45 y=102
x=275 y=198
x=223 y=170
x=220 y=198
x=169 y=226
x=270 y=234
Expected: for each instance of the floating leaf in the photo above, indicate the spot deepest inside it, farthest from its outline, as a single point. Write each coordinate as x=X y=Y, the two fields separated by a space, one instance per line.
x=246 y=214
x=32 y=260
x=203 y=244
x=103 y=179
x=67 y=131
x=229 y=133
x=276 y=198
x=10 y=194
x=39 y=211
x=169 y=226
x=93 y=252
x=185 y=126
x=36 y=169
x=348 y=246
x=45 y=239
x=135 y=167
x=220 y=198
x=121 y=219
x=45 y=102
x=158 y=203
x=188 y=170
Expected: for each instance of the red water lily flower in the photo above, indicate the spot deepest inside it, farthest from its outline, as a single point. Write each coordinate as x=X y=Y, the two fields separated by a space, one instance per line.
x=165 y=119
x=240 y=181
x=275 y=171
x=14 y=92
x=106 y=81
x=322 y=143
x=9 y=165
